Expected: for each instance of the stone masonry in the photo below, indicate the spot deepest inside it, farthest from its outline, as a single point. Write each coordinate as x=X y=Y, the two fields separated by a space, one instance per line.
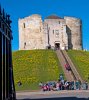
x=53 y=32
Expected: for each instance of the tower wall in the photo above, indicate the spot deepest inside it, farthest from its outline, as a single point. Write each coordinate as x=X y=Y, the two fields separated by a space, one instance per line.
x=21 y=34
x=74 y=32
x=31 y=33
x=35 y=34
x=56 y=29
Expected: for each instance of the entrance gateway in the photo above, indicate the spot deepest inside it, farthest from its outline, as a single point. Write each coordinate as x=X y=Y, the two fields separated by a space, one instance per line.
x=57 y=45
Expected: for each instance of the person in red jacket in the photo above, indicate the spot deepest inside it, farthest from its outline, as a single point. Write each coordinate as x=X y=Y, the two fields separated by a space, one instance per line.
x=67 y=66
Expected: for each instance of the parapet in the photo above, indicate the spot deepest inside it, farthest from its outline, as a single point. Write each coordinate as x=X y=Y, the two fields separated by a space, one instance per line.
x=29 y=17
x=71 y=18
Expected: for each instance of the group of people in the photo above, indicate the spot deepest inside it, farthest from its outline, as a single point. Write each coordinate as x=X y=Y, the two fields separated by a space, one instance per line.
x=62 y=84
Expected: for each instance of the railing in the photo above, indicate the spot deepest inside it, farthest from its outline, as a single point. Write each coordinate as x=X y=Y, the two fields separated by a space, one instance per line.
x=69 y=65
x=7 y=91
x=73 y=69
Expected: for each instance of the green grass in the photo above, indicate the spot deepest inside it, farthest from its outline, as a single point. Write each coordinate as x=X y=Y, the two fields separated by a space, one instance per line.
x=81 y=60
x=34 y=66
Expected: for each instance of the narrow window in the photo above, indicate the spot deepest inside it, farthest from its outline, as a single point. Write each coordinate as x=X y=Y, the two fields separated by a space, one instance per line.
x=59 y=22
x=24 y=45
x=57 y=33
x=24 y=25
x=53 y=31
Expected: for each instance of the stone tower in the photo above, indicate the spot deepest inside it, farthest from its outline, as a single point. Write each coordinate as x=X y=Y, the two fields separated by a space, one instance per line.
x=31 y=33
x=74 y=32
x=54 y=32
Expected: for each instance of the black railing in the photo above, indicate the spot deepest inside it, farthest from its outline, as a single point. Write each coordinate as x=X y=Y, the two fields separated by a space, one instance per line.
x=7 y=91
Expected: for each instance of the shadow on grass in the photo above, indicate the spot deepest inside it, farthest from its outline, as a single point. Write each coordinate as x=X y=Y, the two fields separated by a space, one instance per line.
x=58 y=98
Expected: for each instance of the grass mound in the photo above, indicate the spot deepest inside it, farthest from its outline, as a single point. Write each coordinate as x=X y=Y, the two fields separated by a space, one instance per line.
x=81 y=60
x=34 y=66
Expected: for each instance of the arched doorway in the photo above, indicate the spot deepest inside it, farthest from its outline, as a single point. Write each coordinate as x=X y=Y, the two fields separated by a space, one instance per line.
x=57 y=45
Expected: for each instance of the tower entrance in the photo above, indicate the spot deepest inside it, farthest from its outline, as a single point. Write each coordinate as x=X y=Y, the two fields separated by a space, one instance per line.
x=57 y=45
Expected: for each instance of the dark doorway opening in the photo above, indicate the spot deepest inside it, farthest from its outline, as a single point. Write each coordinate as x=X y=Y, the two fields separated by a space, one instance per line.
x=57 y=46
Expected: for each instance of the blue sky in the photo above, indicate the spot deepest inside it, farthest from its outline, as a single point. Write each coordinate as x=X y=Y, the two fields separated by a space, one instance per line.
x=22 y=8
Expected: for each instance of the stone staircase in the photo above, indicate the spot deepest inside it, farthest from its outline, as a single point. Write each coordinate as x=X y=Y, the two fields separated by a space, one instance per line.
x=73 y=67
x=64 y=58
